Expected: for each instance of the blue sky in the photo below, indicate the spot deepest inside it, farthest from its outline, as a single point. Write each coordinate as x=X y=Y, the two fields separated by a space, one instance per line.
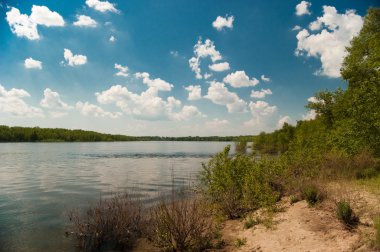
x=173 y=68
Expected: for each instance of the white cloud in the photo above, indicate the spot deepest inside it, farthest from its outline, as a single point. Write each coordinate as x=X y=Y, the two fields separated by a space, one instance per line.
x=219 y=94
x=41 y=15
x=112 y=39
x=310 y=115
x=282 y=120
x=219 y=67
x=221 y=22
x=89 y=109
x=57 y=114
x=203 y=50
x=102 y=6
x=303 y=8
x=26 y=26
x=74 y=60
x=147 y=105
x=123 y=70
x=312 y=99
x=263 y=78
x=207 y=75
x=261 y=108
x=216 y=123
x=52 y=100
x=157 y=83
x=240 y=79
x=31 y=63
x=261 y=94
x=11 y=102
x=194 y=92
x=296 y=28
x=329 y=45
x=85 y=21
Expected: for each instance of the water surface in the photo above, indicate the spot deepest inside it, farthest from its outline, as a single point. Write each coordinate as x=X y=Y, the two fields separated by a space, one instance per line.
x=39 y=182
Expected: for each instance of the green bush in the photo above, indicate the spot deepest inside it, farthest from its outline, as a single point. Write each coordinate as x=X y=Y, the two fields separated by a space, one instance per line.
x=240 y=242
x=345 y=214
x=313 y=195
x=240 y=183
x=293 y=199
x=367 y=173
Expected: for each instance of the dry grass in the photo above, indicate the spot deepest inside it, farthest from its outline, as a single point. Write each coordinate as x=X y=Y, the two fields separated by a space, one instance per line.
x=111 y=223
x=181 y=225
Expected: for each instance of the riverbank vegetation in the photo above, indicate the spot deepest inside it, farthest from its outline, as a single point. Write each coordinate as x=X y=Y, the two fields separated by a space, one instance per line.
x=341 y=146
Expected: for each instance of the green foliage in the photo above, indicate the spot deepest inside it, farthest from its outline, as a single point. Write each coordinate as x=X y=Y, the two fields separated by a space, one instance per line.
x=377 y=228
x=240 y=242
x=313 y=195
x=345 y=214
x=250 y=222
x=276 y=142
x=293 y=199
x=239 y=183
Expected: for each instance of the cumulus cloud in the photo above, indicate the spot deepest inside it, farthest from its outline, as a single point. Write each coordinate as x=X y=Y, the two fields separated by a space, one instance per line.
x=194 y=92
x=102 y=6
x=220 y=67
x=156 y=83
x=261 y=108
x=216 y=123
x=31 y=63
x=52 y=100
x=296 y=28
x=11 y=102
x=123 y=70
x=85 y=21
x=89 y=109
x=332 y=34
x=303 y=8
x=74 y=60
x=240 y=79
x=112 y=39
x=261 y=94
x=147 y=105
x=221 y=22
x=219 y=94
x=282 y=120
x=26 y=26
x=263 y=78
x=203 y=50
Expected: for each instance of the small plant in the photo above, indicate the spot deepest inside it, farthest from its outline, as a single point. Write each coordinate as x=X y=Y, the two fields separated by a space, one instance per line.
x=313 y=195
x=377 y=228
x=345 y=214
x=250 y=222
x=366 y=173
x=294 y=199
x=240 y=242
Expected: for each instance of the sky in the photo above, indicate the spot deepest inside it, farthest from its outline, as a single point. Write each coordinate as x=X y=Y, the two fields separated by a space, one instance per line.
x=173 y=67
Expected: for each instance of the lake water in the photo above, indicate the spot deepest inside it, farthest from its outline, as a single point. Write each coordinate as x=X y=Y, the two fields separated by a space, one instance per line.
x=40 y=182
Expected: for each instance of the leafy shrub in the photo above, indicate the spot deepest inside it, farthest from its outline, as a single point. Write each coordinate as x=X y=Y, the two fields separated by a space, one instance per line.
x=239 y=183
x=345 y=214
x=116 y=222
x=241 y=147
x=181 y=225
x=313 y=195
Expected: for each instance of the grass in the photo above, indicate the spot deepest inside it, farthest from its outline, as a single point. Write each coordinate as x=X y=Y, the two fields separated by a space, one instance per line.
x=377 y=230
x=250 y=222
x=240 y=242
x=313 y=194
x=345 y=214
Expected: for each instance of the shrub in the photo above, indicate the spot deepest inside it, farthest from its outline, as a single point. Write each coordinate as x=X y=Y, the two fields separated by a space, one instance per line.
x=293 y=199
x=313 y=195
x=366 y=173
x=240 y=183
x=345 y=214
x=116 y=222
x=241 y=147
x=181 y=225
x=250 y=222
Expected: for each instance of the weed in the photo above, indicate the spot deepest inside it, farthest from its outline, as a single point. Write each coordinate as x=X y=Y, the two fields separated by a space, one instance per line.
x=240 y=242
x=345 y=214
x=313 y=195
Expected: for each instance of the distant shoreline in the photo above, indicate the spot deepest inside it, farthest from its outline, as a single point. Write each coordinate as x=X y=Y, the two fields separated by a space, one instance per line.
x=53 y=135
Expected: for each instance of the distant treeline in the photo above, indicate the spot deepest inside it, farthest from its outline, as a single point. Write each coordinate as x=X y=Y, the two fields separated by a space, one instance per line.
x=36 y=134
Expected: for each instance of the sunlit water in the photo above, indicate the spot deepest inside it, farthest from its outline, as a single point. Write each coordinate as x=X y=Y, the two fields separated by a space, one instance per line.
x=40 y=182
